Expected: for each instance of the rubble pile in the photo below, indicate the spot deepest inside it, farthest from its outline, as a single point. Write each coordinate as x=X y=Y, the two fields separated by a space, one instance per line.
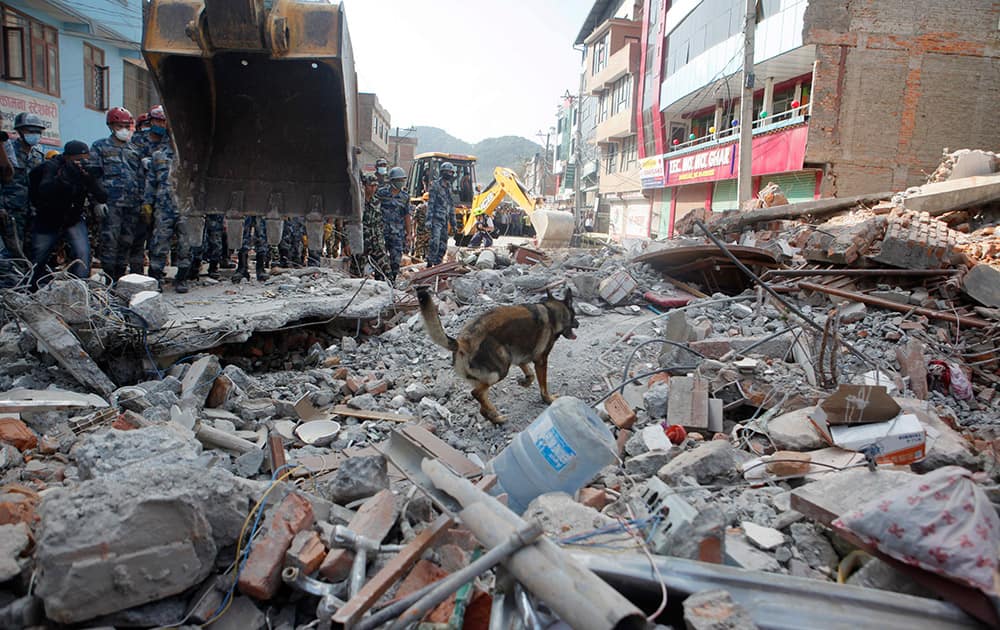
x=300 y=454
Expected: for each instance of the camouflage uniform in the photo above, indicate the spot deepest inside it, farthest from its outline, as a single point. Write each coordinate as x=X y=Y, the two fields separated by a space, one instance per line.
x=169 y=222
x=290 y=249
x=122 y=227
x=372 y=231
x=421 y=234
x=395 y=207
x=440 y=215
x=255 y=236
x=211 y=239
x=15 y=192
x=146 y=147
x=335 y=243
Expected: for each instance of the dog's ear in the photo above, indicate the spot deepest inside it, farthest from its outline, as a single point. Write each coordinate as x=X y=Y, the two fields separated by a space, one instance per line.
x=568 y=298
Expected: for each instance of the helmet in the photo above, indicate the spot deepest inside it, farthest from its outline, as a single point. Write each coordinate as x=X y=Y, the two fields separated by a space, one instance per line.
x=381 y=162
x=143 y=118
x=24 y=119
x=447 y=167
x=368 y=179
x=51 y=153
x=397 y=173
x=156 y=113
x=118 y=115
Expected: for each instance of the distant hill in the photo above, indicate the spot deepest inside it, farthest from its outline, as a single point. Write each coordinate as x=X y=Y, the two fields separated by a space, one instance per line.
x=509 y=151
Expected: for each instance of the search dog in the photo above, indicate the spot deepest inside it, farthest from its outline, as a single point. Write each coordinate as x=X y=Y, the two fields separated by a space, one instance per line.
x=507 y=335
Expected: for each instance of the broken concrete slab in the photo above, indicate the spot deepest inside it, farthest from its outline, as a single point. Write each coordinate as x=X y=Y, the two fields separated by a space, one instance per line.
x=152 y=308
x=199 y=379
x=954 y=194
x=130 y=285
x=709 y=462
x=816 y=550
x=17 y=400
x=742 y=554
x=982 y=284
x=794 y=431
x=69 y=298
x=945 y=446
x=121 y=454
x=649 y=463
x=715 y=610
x=913 y=366
x=98 y=541
x=561 y=516
x=55 y=338
x=357 y=478
x=765 y=538
x=14 y=539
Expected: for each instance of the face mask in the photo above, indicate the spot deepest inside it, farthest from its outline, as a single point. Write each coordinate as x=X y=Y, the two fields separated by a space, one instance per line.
x=397 y=184
x=382 y=170
x=123 y=134
x=31 y=139
x=158 y=130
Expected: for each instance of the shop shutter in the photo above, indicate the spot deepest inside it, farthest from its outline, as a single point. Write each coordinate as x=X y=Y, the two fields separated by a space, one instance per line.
x=796 y=186
x=664 y=226
x=724 y=196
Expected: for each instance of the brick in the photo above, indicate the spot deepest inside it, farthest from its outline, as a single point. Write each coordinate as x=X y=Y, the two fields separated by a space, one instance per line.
x=791 y=464
x=221 y=390
x=593 y=497
x=15 y=432
x=17 y=505
x=917 y=241
x=621 y=413
x=341 y=374
x=377 y=387
x=261 y=575
x=354 y=384
x=306 y=552
x=374 y=520
x=659 y=377
x=423 y=574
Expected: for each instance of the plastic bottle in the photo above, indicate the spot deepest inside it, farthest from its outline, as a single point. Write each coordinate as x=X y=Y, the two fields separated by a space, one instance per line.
x=562 y=450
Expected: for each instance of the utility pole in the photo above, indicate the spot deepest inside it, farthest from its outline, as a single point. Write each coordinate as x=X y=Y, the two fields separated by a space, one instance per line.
x=578 y=157
x=744 y=184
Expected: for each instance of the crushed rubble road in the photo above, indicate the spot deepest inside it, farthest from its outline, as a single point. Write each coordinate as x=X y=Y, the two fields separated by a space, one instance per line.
x=299 y=453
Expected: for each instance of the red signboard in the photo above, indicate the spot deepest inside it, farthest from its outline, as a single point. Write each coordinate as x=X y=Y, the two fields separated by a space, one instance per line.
x=779 y=152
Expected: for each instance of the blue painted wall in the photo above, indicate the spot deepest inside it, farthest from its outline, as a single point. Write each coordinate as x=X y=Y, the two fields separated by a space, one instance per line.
x=114 y=26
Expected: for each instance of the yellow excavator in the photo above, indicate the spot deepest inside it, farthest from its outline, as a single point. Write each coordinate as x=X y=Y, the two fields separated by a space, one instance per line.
x=553 y=228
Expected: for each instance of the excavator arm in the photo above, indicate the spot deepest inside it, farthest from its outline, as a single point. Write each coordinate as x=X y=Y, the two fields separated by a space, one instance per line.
x=552 y=227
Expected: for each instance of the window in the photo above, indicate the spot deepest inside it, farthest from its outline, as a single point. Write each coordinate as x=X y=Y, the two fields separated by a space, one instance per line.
x=630 y=148
x=139 y=93
x=602 y=106
x=599 y=54
x=95 y=78
x=30 y=52
x=611 y=161
x=621 y=94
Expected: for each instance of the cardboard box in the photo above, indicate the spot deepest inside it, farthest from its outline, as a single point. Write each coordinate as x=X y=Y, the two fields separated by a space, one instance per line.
x=900 y=441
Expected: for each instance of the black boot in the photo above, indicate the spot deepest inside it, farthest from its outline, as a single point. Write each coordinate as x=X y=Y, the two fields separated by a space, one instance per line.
x=157 y=274
x=242 y=270
x=180 y=280
x=213 y=270
x=195 y=271
x=261 y=274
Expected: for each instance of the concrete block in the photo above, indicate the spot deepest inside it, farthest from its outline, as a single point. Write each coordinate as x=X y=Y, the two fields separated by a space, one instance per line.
x=152 y=307
x=688 y=402
x=679 y=330
x=128 y=286
x=199 y=379
x=649 y=463
x=357 y=478
x=708 y=462
x=742 y=554
x=715 y=610
x=560 y=516
x=261 y=574
x=853 y=313
x=765 y=538
x=69 y=298
x=982 y=284
x=14 y=540
x=124 y=453
x=617 y=287
x=794 y=432
x=306 y=552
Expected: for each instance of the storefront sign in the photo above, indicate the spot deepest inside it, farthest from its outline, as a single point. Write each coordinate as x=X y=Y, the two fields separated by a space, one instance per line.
x=651 y=172
x=12 y=103
x=779 y=152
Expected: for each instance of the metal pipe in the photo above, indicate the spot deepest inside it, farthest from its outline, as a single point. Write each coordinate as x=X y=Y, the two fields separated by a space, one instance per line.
x=298 y=580
x=358 y=572
x=736 y=261
x=394 y=609
x=445 y=587
x=961 y=320
x=917 y=273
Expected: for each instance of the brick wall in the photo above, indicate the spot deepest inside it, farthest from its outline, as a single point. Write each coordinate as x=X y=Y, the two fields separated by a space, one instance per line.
x=896 y=82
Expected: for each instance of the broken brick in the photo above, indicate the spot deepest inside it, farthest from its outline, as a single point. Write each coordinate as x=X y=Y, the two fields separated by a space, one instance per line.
x=306 y=552
x=14 y=431
x=221 y=390
x=659 y=377
x=621 y=413
x=341 y=374
x=354 y=384
x=377 y=387
x=593 y=497
x=374 y=520
x=17 y=505
x=789 y=464
x=261 y=574
x=423 y=574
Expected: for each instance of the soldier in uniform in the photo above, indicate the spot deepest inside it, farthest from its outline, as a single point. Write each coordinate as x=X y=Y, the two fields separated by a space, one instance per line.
x=211 y=248
x=254 y=235
x=382 y=171
x=440 y=214
x=24 y=154
x=148 y=141
x=423 y=235
x=159 y=196
x=397 y=223
x=372 y=232
x=121 y=228
x=290 y=246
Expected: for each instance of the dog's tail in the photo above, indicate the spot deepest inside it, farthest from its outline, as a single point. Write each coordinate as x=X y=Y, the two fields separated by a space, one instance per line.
x=432 y=321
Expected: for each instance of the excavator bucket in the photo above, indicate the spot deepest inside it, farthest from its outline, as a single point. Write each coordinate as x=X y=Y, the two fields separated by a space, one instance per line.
x=553 y=228
x=262 y=103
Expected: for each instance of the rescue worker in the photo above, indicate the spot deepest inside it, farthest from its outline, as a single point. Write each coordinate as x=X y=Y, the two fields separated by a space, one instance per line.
x=440 y=214
x=59 y=189
x=290 y=246
x=397 y=224
x=211 y=248
x=372 y=233
x=142 y=123
x=255 y=235
x=122 y=227
x=484 y=229
x=159 y=198
x=421 y=234
x=24 y=154
x=382 y=171
x=156 y=136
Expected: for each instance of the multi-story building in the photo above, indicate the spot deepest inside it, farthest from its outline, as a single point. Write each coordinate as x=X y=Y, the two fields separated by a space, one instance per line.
x=402 y=149
x=69 y=62
x=850 y=98
x=538 y=177
x=373 y=123
x=610 y=68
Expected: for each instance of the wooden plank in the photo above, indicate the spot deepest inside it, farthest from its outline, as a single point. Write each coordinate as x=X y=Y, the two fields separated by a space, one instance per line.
x=344 y=410
x=275 y=452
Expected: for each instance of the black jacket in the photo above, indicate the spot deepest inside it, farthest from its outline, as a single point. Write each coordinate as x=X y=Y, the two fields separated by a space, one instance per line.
x=59 y=191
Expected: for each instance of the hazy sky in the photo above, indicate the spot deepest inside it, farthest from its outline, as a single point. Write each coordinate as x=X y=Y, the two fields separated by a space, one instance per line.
x=475 y=68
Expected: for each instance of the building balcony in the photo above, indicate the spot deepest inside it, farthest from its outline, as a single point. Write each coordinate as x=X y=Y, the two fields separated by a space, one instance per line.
x=625 y=61
x=619 y=125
